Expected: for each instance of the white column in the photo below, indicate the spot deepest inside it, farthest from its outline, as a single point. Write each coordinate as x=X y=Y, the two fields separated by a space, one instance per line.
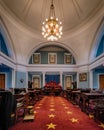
x=91 y=79
x=13 y=79
x=27 y=81
x=61 y=78
x=77 y=80
x=43 y=78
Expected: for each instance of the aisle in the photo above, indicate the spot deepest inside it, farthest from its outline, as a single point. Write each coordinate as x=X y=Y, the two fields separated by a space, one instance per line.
x=56 y=113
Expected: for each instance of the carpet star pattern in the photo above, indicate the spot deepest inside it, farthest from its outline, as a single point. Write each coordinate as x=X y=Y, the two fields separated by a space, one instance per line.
x=51 y=105
x=37 y=107
x=91 y=116
x=69 y=112
x=101 y=125
x=66 y=107
x=74 y=120
x=51 y=126
x=35 y=112
x=40 y=104
x=52 y=109
x=51 y=116
x=64 y=104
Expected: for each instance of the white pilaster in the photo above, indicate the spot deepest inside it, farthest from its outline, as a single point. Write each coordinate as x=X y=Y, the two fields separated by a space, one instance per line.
x=13 y=79
x=91 y=79
x=61 y=78
x=43 y=78
x=77 y=80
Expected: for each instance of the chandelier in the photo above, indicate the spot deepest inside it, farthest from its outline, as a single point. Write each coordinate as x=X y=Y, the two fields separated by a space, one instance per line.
x=52 y=27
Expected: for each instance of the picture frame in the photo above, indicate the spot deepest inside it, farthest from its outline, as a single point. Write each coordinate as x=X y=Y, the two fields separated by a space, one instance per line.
x=52 y=57
x=36 y=58
x=67 y=58
x=83 y=77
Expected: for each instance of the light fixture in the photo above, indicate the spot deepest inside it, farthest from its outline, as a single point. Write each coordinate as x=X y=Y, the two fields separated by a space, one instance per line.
x=52 y=27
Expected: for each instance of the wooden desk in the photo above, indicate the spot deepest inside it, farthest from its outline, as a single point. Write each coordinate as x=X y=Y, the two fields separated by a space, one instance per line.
x=75 y=96
x=22 y=103
x=85 y=97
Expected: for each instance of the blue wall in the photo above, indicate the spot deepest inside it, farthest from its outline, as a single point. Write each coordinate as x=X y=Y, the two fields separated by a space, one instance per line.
x=20 y=79
x=84 y=84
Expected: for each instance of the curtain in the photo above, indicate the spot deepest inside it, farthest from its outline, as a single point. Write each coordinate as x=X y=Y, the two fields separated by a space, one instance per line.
x=55 y=78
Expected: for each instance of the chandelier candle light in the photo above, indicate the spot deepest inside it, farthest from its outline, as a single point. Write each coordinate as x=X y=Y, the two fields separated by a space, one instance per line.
x=52 y=27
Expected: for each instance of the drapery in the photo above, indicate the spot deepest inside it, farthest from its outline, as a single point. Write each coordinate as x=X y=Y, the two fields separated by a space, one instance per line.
x=54 y=78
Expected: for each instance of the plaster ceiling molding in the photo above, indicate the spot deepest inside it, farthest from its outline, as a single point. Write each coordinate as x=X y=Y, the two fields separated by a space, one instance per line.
x=96 y=39
x=8 y=39
x=72 y=13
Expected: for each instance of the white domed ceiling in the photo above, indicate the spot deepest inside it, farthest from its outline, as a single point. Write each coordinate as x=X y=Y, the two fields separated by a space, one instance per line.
x=71 y=12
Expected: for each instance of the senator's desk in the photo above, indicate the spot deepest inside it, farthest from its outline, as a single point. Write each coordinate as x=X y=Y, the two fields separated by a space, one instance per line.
x=99 y=111
x=74 y=97
x=22 y=103
x=86 y=97
x=34 y=95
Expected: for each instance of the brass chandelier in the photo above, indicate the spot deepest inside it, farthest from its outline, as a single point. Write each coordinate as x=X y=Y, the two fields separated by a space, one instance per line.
x=52 y=27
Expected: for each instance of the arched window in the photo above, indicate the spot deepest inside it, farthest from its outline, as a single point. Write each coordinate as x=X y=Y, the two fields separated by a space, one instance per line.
x=100 y=49
x=3 y=47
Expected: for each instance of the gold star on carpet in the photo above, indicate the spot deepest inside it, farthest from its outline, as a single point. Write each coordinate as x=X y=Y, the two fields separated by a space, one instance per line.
x=51 y=116
x=35 y=112
x=91 y=116
x=52 y=109
x=37 y=107
x=69 y=112
x=66 y=107
x=51 y=105
x=40 y=104
x=101 y=125
x=51 y=125
x=74 y=120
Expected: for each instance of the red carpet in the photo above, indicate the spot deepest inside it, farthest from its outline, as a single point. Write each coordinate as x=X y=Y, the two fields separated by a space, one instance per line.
x=56 y=113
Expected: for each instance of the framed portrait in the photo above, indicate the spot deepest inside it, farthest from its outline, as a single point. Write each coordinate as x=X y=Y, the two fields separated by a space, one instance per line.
x=83 y=77
x=52 y=58
x=36 y=58
x=67 y=58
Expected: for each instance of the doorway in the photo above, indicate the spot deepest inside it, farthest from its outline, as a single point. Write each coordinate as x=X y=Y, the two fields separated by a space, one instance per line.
x=36 y=82
x=101 y=82
x=2 y=81
x=68 y=81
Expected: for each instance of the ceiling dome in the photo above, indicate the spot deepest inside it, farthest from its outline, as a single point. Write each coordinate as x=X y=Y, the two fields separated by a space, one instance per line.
x=71 y=12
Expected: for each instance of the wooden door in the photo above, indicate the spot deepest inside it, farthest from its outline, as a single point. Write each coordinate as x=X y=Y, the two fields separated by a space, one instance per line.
x=2 y=81
x=101 y=81
x=68 y=81
x=36 y=82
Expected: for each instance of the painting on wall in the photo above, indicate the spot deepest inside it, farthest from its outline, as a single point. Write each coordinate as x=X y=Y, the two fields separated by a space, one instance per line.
x=83 y=77
x=52 y=58
x=68 y=59
x=36 y=58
